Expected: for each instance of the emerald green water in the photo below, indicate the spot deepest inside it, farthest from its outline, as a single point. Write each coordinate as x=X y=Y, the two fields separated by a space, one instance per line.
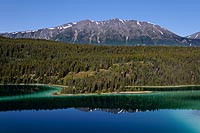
x=40 y=111
x=16 y=92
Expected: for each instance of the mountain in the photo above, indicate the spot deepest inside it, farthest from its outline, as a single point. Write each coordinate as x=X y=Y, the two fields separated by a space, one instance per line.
x=194 y=36
x=109 y=32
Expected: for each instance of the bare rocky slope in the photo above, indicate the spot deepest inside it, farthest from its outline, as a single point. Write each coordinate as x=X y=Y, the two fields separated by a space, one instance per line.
x=109 y=32
x=194 y=36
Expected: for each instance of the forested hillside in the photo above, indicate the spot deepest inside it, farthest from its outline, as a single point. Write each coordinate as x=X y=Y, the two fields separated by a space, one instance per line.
x=88 y=68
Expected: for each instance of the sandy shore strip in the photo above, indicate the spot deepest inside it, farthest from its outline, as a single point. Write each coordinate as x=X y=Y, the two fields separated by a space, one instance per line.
x=107 y=93
x=171 y=86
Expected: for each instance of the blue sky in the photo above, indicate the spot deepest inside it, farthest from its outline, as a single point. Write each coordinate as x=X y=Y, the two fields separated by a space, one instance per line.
x=180 y=16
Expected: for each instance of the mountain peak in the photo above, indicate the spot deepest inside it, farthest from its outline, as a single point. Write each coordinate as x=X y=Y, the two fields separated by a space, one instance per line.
x=194 y=36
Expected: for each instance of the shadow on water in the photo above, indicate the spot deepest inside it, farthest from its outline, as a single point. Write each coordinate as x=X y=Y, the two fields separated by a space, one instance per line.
x=14 y=90
x=110 y=103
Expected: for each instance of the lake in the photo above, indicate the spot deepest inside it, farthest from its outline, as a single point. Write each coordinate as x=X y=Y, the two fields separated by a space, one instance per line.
x=39 y=111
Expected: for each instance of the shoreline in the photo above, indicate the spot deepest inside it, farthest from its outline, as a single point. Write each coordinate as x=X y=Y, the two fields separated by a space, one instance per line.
x=58 y=93
x=158 y=86
x=123 y=92
x=107 y=93
x=164 y=86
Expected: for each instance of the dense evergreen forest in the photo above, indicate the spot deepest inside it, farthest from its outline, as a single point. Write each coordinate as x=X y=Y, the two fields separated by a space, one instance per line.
x=89 y=68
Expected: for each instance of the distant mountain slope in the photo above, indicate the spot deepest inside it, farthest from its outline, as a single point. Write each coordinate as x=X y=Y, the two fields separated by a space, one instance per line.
x=194 y=36
x=109 y=32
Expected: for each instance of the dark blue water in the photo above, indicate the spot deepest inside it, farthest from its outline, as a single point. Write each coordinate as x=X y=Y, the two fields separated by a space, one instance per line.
x=72 y=120
x=157 y=112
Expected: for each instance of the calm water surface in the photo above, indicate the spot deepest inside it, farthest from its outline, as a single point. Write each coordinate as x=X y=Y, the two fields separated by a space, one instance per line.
x=156 y=112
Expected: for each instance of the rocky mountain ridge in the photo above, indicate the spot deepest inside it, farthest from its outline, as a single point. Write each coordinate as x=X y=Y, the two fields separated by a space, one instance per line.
x=194 y=36
x=109 y=32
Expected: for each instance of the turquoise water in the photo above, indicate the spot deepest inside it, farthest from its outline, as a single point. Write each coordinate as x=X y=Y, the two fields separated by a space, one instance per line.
x=44 y=91
x=177 y=111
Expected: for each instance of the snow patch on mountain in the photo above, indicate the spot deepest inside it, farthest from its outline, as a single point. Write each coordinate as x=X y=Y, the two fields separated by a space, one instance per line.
x=196 y=36
x=138 y=23
x=158 y=30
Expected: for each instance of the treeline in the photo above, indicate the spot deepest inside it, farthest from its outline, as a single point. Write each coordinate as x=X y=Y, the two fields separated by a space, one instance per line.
x=89 y=68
